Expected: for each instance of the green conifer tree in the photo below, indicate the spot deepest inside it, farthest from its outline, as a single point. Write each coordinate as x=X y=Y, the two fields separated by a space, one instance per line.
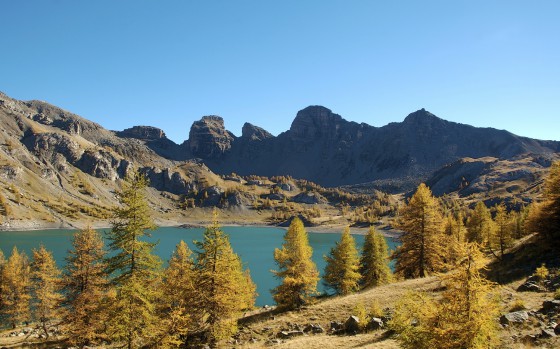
x=225 y=289
x=341 y=271
x=374 y=262
x=423 y=248
x=135 y=268
x=297 y=271
x=46 y=284
x=86 y=286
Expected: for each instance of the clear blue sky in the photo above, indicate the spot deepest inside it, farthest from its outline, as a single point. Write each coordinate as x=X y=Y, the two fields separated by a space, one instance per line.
x=167 y=63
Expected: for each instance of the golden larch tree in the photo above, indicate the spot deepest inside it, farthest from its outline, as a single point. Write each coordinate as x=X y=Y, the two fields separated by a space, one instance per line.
x=224 y=288
x=465 y=316
x=544 y=217
x=423 y=248
x=85 y=288
x=46 y=285
x=134 y=267
x=374 y=261
x=501 y=238
x=480 y=226
x=296 y=270
x=16 y=277
x=342 y=269
x=180 y=309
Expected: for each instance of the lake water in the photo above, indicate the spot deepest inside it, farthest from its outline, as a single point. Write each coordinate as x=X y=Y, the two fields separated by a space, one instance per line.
x=255 y=245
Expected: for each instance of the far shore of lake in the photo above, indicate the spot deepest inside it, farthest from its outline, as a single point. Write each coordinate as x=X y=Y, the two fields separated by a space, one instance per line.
x=29 y=225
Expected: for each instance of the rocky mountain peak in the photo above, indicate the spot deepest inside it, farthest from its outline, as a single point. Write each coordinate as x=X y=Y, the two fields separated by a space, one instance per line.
x=208 y=137
x=421 y=116
x=314 y=121
x=143 y=132
x=254 y=133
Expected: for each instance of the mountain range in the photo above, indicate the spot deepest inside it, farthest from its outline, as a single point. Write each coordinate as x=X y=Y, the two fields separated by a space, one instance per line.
x=47 y=148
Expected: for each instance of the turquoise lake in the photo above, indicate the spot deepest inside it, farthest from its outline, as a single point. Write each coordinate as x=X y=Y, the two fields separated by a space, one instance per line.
x=255 y=245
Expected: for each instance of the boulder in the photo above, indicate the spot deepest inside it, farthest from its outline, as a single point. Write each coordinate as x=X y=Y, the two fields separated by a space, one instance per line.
x=550 y=306
x=374 y=324
x=547 y=333
x=310 y=198
x=531 y=286
x=557 y=329
x=313 y=328
x=352 y=324
x=516 y=317
x=336 y=326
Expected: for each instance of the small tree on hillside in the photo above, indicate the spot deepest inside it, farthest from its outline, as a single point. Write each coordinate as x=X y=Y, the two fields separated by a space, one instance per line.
x=374 y=262
x=544 y=218
x=85 y=286
x=297 y=271
x=501 y=239
x=46 y=281
x=463 y=318
x=341 y=271
x=480 y=226
x=423 y=243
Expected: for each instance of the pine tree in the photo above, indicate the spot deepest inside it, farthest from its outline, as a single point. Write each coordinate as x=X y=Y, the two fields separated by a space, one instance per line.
x=501 y=239
x=133 y=317
x=341 y=271
x=463 y=318
x=85 y=286
x=16 y=289
x=179 y=307
x=2 y=282
x=479 y=225
x=544 y=218
x=297 y=271
x=456 y=232
x=374 y=262
x=225 y=290
x=46 y=284
x=423 y=242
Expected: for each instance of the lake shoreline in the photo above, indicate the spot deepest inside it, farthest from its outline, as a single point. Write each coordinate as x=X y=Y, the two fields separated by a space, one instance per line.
x=41 y=225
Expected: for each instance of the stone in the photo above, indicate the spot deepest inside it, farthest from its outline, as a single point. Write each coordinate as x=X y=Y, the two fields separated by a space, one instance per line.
x=290 y=334
x=374 y=324
x=557 y=329
x=313 y=328
x=531 y=286
x=547 y=333
x=352 y=324
x=516 y=317
x=336 y=326
x=550 y=306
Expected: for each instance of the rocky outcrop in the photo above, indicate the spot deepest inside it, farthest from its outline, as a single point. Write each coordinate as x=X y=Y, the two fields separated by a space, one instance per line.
x=48 y=146
x=168 y=180
x=208 y=138
x=310 y=198
x=254 y=133
x=143 y=132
